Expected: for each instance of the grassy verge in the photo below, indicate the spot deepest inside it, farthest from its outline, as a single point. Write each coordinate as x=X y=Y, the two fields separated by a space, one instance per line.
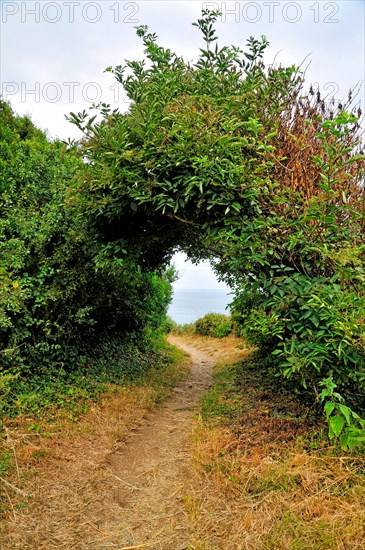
x=266 y=476
x=80 y=425
x=71 y=389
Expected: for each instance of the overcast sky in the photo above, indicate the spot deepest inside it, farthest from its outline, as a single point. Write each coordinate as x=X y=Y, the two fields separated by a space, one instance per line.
x=53 y=53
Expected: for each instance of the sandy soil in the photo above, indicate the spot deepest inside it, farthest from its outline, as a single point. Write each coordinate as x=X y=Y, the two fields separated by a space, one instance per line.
x=142 y=493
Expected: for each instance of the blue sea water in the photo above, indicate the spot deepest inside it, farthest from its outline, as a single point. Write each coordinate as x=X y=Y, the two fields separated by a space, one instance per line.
x=189 y=305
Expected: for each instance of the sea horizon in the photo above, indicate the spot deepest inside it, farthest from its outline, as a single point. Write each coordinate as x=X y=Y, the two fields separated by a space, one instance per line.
x=189 y=304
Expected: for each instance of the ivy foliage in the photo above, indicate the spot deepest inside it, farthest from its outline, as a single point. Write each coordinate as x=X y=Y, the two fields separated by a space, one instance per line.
x=232 y=161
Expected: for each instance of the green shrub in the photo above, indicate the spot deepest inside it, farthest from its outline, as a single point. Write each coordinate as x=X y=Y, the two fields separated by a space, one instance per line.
x=60 y=289
x=236 y=162
x=168 y=325
x=225 y=159
x=118 y=360
x=185 y=329
x=216 y=325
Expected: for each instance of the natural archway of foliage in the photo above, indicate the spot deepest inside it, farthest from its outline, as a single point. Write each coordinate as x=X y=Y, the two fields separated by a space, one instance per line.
x=232 y=161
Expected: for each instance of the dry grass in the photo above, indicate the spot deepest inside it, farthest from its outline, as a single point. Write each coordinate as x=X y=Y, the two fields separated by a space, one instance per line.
x=289 y=500
x=222 y=350
x=260 y=477
x=297 y=142
x=59 y=467
x=258 y=484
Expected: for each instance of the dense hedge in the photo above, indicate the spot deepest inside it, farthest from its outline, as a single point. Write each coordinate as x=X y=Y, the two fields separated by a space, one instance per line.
x=230 y=160
x=58 y=300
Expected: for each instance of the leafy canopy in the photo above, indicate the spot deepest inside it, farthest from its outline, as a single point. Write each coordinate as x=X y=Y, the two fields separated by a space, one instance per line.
x=235 y=162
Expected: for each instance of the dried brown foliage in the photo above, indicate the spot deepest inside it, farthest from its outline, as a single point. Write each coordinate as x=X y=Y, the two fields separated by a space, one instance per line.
x=298 y=141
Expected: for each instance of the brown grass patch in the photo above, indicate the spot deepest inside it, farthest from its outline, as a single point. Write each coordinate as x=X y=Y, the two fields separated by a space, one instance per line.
x=228 y=349
x=259 y=483
x=58 y=467
x=261 y=477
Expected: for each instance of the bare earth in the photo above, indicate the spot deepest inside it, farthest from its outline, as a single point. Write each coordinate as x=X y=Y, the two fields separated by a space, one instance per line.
x=142 y=494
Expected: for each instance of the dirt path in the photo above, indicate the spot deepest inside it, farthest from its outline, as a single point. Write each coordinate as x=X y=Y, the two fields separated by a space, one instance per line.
x=142 y=494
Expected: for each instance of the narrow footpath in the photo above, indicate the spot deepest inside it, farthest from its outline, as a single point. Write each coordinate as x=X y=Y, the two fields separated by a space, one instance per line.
x=141 y=501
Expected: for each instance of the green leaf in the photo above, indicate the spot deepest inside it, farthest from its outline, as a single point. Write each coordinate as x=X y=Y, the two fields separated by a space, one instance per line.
x=344 y=441
x=271 y=135
x=328 y=408
x=355 y=158
x=346 y=412
x=314 y=320
x=337 y=423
